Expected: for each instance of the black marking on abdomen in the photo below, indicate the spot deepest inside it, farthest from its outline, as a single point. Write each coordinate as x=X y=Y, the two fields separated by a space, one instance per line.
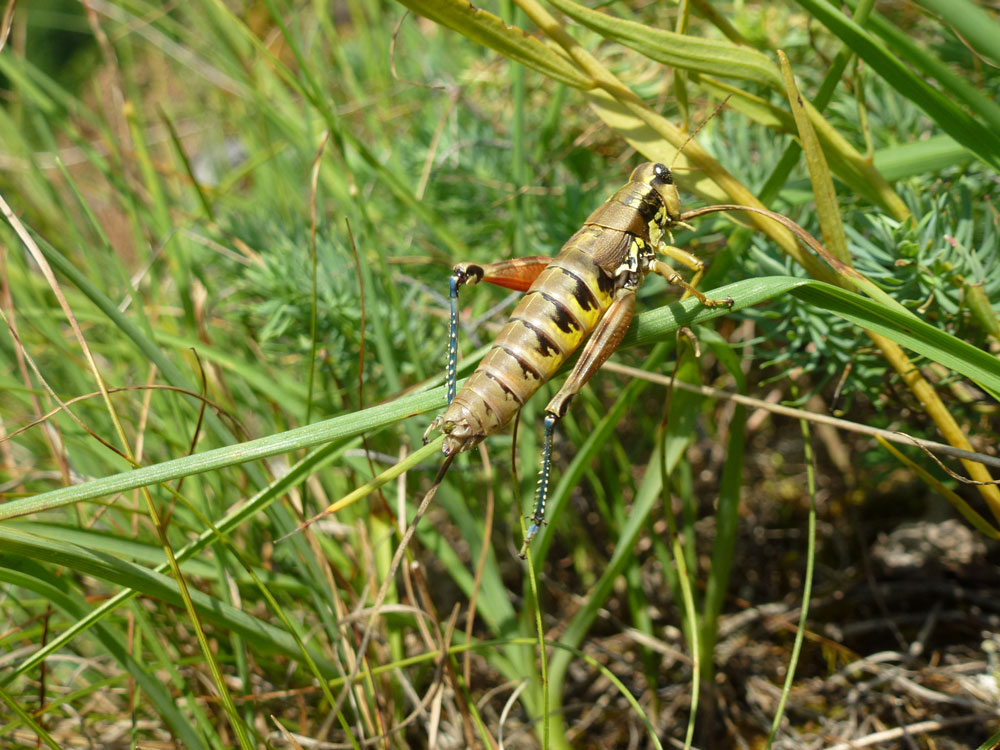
x=605 y=282
x=562 y=316
x=544 y=344
x=526 y=369
x=503 y=386
x=581 y=292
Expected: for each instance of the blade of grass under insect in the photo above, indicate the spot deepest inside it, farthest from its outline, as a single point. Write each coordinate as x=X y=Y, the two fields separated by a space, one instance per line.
x=350 y=425
x=127 y=452
x=980 y=140
x=655 y=325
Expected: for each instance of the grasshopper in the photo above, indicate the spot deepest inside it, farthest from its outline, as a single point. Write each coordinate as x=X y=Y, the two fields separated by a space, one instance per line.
x=588 y=288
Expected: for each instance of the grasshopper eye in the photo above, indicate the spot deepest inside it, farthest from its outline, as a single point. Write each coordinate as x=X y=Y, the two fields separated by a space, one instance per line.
x=663 y=174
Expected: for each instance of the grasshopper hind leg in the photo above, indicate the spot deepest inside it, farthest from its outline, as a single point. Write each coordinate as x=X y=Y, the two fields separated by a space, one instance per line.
x=537 y=517
x=602 y=343
x=452 y=372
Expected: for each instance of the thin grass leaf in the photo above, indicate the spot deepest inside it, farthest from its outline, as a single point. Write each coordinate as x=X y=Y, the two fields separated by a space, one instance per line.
x=28 y=574
x=983 y=142
x=716 y=57
x=510 y=41
x=934 y=67
x=649 y=327
x=974 y=26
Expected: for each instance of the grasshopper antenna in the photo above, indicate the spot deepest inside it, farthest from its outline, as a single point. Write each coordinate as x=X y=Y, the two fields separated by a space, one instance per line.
x=697 y=130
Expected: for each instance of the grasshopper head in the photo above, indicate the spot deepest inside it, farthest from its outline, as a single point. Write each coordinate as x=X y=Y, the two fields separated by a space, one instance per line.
x=661 y=180
x=663 y=183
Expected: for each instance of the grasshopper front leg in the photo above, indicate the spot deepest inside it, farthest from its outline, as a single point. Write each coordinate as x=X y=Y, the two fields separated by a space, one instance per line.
x=691 y=261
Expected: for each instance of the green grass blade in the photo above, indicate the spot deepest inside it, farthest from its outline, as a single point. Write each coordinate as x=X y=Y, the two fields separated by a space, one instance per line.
x=956 y=85
x=980 y=140
x=28 y=574
x=974 y=25
x=906 y=330
x=19 y=544
x=489 y=30
x=709 y=56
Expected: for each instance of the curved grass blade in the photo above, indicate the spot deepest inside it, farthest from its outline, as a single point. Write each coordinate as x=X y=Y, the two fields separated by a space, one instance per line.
x=712 y=56
x=510 y=41
x=19 y=544
x=901 y=327
x=975 y=26
x=952 y=119
x=29 y=575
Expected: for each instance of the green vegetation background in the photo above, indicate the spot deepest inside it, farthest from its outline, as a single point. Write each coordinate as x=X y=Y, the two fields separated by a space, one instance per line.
x=226 y=261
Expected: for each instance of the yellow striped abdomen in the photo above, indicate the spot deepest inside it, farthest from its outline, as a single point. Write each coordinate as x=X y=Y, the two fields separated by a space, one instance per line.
x=556 y=314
